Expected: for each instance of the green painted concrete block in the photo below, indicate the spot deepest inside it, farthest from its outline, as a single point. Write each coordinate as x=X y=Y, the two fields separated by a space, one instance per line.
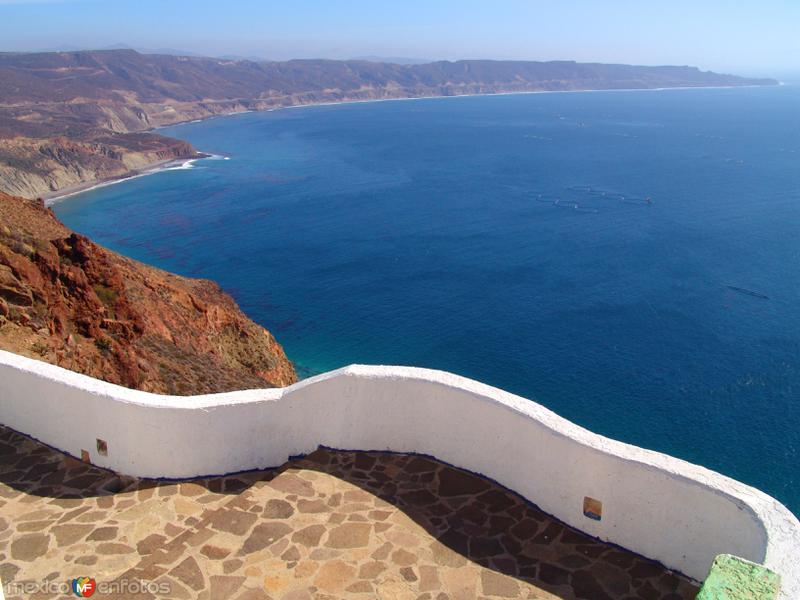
x=733 y=578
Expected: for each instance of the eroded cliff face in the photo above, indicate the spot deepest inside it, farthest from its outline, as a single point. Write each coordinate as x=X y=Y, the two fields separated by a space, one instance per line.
x=70 y=302
x=32 y=167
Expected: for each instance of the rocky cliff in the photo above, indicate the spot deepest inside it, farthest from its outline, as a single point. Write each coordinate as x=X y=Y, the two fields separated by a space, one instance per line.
x=32 y=167
x=70 y=302
x=70 y=117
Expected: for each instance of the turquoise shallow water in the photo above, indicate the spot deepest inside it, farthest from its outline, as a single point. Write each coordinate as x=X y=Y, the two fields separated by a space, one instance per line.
x=510 y=239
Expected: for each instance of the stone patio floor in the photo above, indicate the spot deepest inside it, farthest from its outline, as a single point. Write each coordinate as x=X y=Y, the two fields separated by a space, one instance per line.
x=331 y=525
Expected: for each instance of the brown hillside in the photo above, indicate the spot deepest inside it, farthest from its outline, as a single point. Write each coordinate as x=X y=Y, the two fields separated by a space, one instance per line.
x=72 y=117
x=72 y=303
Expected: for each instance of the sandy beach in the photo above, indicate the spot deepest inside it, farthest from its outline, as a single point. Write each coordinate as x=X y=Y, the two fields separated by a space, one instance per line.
x=149 y=169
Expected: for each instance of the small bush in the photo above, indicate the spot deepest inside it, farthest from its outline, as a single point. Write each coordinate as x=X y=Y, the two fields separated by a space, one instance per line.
x=39 y=348
x=107 y=295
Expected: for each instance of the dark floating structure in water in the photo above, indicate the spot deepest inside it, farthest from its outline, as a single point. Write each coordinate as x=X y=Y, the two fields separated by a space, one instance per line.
x=742 y=290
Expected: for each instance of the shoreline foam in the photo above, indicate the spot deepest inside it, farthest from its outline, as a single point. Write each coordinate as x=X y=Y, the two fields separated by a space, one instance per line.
x=172 y=164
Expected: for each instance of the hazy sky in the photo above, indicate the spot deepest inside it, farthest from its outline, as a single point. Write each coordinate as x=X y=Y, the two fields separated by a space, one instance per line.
x=744 y=36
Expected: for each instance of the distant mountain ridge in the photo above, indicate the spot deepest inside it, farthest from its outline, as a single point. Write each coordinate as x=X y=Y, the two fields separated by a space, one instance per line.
x=397 y=60
x=71 y=117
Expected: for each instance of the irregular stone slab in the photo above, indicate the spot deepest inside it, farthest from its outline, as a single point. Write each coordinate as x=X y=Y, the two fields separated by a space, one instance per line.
x=278 y=509
x=30 y=547
x=495 y=584
x=312 y=506
x=309 y=536
x=225 y=586
x=289 y=483
x=384 y=531
x=215 y=552
x=69 y=534
x=349 y=535
x=189 y=573
x=265 y=534
x=103 y=534
x=334 y=576
x=234 y=521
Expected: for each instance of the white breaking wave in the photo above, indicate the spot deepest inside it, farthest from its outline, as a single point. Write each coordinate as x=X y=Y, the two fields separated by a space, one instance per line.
x=189 y=164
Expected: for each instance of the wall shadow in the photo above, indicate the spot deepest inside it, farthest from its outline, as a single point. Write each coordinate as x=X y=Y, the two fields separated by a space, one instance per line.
x=464 y=517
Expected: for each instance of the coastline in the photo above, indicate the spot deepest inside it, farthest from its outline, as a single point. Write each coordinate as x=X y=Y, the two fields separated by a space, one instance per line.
x=158 y=166
x=452 y=96
x=169 y=164
x=582 y=91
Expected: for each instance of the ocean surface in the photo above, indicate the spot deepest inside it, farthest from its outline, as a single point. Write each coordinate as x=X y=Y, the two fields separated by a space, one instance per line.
x=576 y=249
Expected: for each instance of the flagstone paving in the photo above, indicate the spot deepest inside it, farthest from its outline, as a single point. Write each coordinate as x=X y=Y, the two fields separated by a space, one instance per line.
x=331 y=525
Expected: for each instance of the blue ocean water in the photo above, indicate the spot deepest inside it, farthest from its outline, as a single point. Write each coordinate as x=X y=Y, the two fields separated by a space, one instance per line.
x=510 y=239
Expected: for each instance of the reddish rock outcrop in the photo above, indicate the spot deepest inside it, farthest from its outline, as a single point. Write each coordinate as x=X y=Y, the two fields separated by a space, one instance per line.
x=70 y=302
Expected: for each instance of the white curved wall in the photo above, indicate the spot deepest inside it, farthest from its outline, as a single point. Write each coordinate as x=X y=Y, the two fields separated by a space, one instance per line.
x=679 y=514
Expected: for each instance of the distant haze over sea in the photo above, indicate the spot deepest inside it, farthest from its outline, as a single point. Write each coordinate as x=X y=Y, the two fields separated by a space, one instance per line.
x=781 y=74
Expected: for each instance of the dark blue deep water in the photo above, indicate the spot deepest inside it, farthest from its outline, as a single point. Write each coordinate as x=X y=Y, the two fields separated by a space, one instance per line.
x=427 y=233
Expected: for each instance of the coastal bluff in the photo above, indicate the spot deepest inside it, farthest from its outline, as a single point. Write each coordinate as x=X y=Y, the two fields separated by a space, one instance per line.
x=72 y=303
x=68 y=118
